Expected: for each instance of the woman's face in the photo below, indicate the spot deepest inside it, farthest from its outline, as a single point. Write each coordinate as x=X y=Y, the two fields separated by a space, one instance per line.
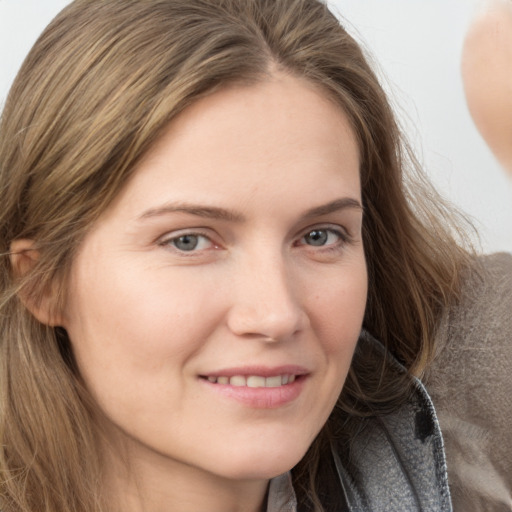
x=215 y=306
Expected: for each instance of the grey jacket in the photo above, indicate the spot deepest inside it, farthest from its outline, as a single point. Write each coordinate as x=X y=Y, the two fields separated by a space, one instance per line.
x=398 y=462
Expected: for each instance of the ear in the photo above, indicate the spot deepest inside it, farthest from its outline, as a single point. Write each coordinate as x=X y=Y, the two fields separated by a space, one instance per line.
x=24 y=258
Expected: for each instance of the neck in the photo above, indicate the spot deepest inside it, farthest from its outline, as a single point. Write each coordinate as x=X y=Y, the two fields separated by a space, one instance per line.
x=150 y=482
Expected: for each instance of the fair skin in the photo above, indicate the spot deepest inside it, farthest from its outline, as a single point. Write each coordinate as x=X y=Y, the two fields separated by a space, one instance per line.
x=232 y=259
x=487 y=75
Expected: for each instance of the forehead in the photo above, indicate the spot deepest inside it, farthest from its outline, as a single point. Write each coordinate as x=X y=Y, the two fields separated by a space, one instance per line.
x=248 y=138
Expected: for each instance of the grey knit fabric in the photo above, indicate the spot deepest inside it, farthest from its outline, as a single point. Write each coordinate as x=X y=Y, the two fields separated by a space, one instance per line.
x=470 y=383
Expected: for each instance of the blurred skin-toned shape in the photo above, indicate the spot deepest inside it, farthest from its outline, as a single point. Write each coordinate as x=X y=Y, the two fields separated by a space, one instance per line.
x=487 y=75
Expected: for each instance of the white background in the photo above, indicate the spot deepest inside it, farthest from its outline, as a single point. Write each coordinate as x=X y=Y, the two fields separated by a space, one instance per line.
x=416 y=45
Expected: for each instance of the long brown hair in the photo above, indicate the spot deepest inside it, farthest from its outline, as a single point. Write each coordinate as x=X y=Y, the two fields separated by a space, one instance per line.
x=97 y=89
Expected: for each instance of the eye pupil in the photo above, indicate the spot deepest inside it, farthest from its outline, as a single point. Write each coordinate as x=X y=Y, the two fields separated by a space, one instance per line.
x=317 y=237
x=186 y=242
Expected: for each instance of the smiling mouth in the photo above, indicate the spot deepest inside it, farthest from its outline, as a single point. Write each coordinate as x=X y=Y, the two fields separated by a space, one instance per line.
x=253 y=381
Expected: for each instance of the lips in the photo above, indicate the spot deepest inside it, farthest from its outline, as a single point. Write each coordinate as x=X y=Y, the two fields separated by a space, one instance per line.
x=258 y=387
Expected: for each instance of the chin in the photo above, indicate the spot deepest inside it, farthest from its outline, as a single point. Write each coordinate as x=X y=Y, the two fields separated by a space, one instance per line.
x=265 y=462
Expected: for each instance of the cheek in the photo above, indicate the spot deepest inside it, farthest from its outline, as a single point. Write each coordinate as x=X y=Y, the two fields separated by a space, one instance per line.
x=339 y=310
x=136 y=313
x=133 y=335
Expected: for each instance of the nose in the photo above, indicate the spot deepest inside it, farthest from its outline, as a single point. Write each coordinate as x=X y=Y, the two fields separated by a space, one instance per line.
x=266 y=301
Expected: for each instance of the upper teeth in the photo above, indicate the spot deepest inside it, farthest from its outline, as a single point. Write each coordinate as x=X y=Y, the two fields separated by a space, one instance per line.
x=254 y=381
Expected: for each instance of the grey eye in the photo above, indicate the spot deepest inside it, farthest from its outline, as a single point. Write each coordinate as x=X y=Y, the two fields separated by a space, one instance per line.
x=186 y=242
x=317 y=237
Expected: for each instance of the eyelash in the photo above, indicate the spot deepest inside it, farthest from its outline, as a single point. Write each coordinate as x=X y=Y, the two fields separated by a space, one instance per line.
x=170 y=242
x=343 y=239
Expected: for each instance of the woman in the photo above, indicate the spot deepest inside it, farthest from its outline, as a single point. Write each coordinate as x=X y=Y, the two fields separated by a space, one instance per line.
x=207 y=224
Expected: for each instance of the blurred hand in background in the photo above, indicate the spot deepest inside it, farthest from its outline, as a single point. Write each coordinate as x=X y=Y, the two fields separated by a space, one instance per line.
x=487 y=76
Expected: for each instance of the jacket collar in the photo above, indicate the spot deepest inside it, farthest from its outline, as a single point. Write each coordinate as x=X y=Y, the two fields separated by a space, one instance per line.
x=397 y=461
x=281 y=496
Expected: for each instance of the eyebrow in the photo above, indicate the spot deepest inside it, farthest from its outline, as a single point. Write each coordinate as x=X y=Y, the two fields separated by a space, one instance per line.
x=338 y=204
x=214 y=212
x=209 y=212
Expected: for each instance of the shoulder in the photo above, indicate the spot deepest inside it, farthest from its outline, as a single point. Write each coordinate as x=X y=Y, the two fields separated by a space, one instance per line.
x=481 y=321
x=470 y=385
